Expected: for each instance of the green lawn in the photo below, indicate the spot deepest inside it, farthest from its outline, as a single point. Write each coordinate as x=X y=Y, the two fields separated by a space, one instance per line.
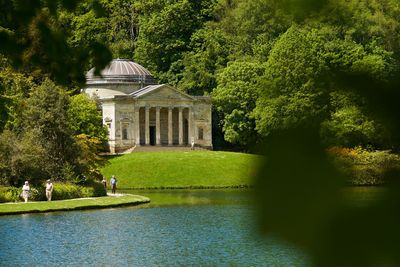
x=72 y=204
x=182 y=169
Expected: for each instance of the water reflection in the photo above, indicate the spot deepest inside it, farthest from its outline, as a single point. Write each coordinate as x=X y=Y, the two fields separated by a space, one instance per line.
x=219 y=231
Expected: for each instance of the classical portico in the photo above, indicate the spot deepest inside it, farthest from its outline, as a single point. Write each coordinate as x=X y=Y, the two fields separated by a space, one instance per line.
x=139 y=112
x=162 y=125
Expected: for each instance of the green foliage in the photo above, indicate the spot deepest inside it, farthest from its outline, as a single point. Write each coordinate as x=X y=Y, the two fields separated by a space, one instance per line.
x=84 y=117
x=165 y=32
x=363 y=167
x=292 y=92
x=61 y=191
x=350 y=127
x=235 y=98
x=330 y=229
x=46 y=140
x=89 y=158
x=69 y=191
x=209 y=54
x=14 y=87
x=66 y=191
x=21 y=158
x=46 y=111
x=117 y=26
x=9 y=194
x=33 y=36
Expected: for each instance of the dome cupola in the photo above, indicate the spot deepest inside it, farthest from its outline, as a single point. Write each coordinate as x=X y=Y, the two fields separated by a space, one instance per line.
x=121 y=71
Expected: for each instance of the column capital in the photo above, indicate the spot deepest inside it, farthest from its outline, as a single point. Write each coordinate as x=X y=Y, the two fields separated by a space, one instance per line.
x=170 y=107
x=158 y=108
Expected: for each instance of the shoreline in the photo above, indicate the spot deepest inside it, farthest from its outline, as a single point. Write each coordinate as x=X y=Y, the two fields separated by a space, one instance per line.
x=109 y=201
x=189 y=187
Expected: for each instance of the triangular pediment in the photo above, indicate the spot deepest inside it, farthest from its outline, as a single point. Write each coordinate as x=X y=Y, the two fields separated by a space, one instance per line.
x=161 y=92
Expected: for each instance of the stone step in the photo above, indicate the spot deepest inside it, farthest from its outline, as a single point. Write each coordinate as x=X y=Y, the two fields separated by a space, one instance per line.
x=160 y=148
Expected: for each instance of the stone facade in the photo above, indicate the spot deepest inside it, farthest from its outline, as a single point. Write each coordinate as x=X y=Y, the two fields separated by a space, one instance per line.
x=137 y=114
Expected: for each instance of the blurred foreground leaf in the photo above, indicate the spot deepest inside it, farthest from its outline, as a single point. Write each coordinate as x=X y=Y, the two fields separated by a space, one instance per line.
x=34 y=38
x=300 y=198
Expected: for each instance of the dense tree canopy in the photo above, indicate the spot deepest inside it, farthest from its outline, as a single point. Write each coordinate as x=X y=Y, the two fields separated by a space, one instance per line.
x=34 y=37
x=235 y=98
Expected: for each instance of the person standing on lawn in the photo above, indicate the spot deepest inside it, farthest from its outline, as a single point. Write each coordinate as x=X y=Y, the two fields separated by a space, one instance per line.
x=113 y=183
x=49 y=190
x=26 y=191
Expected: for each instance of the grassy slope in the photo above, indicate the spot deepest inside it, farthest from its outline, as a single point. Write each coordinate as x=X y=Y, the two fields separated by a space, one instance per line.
x=72 y=204
x=182 y=169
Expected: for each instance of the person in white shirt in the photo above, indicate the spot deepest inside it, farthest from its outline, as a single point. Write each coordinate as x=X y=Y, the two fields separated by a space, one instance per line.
x=26 y=191
x=113 y=183
x=49 y=190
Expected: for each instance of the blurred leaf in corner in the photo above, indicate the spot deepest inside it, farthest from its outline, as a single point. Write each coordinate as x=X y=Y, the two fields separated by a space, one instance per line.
x=298 y=188
x=34 y=39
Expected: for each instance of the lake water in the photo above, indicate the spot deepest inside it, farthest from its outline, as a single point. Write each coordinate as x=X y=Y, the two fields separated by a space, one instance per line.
x=179 y=228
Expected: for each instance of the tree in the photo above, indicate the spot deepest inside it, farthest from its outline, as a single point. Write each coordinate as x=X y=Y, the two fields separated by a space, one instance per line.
x=292 y=92
x=117 y=27
x=84 y=117
x=46 y=112
x=298 y=182
x=209 y=54
x=165 y=32
x=21 y=158
x=14 y=87
x=85 y=121
x=235 y=97
x=32 y=37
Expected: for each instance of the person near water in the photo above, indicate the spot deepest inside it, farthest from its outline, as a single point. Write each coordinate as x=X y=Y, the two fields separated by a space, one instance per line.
x=113 y=183
x=104 y=182
x=49 y=190
x=26 y=191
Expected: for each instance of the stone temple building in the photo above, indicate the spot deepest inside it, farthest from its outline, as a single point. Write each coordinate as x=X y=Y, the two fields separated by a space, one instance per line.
x=140 y=112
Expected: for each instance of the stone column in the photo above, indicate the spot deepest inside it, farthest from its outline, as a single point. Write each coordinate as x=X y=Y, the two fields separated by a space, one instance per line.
x=170 y=126
x=147 y=126
x=180 y=127
x=120 y=129
x=190 y=125
x=137 y=126
x=158 y=127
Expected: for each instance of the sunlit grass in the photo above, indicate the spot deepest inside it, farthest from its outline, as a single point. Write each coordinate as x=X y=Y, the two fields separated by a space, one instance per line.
x=72 y=204
x=179 y=169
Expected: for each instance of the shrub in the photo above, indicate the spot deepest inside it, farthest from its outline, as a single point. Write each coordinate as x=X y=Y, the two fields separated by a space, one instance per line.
x=9 y=194
x=96 y=188
x=363 y=167
x=61 y=191
x=68 y=190
x=37 y=193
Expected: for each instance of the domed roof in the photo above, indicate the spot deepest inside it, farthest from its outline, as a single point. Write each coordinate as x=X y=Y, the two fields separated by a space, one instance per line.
x=121 y=71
